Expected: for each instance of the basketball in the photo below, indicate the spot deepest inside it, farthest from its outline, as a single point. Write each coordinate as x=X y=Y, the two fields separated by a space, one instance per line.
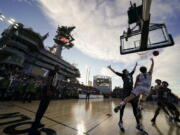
x=155 y=53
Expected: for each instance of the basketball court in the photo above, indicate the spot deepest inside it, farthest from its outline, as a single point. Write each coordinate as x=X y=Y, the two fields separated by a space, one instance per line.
x=79 y=117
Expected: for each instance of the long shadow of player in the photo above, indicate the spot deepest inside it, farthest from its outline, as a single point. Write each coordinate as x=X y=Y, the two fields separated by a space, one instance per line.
x=13 y=129
x=34 y=132
x=39 y=131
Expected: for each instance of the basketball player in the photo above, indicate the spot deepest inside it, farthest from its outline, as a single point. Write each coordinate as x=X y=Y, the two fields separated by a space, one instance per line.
x=163 y=102
x=158 y=84
x=50 y=84
x=127 y=88
x=160 y=92
x=142 y=86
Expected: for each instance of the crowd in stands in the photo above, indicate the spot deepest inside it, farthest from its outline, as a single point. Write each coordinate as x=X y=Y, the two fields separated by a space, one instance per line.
x=70 y=90
x=16 y=85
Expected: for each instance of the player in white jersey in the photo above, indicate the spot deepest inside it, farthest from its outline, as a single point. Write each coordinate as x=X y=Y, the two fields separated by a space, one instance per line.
x=142 y=86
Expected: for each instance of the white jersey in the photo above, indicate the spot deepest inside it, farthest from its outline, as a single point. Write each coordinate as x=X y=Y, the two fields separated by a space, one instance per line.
x=144 y=80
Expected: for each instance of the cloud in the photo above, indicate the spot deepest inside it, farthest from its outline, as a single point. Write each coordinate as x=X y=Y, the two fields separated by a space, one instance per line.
x=163 y=10
x=99 y=23
x=106 y=72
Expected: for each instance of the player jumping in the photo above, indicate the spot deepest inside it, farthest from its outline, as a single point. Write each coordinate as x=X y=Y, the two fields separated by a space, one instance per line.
x=142 y=86
x=127 y=88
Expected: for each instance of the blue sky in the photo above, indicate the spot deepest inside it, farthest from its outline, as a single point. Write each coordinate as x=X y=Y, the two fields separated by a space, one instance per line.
x=99 y=23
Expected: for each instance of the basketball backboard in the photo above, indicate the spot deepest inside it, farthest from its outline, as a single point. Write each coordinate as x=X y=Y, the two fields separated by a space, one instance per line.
x=158 y=37
x=141 y=35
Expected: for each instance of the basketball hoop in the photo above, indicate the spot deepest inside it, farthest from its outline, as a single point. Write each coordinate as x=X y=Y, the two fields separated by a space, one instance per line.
x=144 y=53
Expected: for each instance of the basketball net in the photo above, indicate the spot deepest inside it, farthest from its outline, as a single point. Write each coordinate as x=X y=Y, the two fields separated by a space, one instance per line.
x=144 y=53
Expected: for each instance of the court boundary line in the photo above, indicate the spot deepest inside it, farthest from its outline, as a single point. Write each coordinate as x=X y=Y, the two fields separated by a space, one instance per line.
x=97 y=125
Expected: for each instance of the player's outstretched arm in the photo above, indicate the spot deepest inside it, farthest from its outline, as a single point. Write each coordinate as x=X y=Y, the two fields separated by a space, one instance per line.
x=134 y=69
x=137 y=79
x=117 y=73
x=152 y=66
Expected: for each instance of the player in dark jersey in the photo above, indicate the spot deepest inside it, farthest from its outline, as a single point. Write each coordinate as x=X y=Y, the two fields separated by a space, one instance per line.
x=50 y=84
x=161 y=99
x=127 y=88
x=170 y=106
x=164 y=103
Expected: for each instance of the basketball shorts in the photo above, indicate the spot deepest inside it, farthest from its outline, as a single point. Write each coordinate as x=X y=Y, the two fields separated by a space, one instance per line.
x=140 y=90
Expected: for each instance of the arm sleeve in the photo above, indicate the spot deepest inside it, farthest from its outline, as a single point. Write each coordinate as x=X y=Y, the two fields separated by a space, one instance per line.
x=119 y=74
x=132 y=72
